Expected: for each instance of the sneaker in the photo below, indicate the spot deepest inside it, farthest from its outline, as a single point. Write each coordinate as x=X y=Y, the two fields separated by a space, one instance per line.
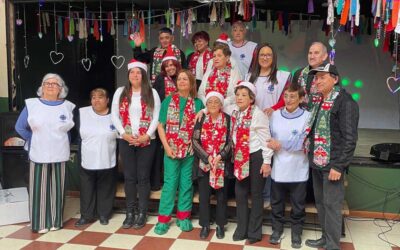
x=296 y=240
x=43 y=231
x=276 y=237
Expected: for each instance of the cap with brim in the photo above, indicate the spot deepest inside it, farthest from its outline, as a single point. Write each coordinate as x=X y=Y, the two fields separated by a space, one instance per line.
x=326 y=67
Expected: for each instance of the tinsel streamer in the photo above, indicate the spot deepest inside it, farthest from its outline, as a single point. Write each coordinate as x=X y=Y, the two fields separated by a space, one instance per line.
x=310 y=6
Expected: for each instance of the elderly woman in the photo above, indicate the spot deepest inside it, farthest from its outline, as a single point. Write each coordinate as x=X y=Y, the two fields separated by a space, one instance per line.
x=134 y=113
x=98 y=149
x=44 y=124
x=211 y=144
x=176 y=124
x=198 y=60
x=221 y=77
x=252 y=159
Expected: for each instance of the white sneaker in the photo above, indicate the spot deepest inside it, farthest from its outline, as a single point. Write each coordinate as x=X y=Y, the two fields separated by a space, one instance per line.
x=54 y=228
x=267 y=204
x=43 y=231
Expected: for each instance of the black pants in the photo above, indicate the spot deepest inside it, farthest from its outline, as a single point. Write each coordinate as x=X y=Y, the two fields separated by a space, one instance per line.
x=156 y=176
x=204 y=206
x=250 y=225
x=137 y=163
x=97 y=192
x=329 y=196
x=297 y=193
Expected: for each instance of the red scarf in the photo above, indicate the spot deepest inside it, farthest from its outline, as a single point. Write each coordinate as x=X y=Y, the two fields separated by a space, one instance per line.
x=207 y=55
x=178 y=134
x=242 y=148
x=157 y=60
x=145 y=118
x=218 y=81
x=213 y=138
x=169 y=85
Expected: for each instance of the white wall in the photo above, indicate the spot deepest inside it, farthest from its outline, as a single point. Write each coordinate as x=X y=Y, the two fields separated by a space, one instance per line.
x=3 y=51
x=378 y=107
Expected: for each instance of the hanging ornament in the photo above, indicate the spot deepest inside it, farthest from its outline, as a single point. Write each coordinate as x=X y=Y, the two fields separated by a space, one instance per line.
x=71 y=25
x=86 y=62
x=213 y=15
x=18 y=21
x=117 y=60
x=172 y=20
x=101 y=23
x=393 y=82
x=310 y=6
x=55 y=56
x=378 y=34
x=40 y=34
x=26 y=57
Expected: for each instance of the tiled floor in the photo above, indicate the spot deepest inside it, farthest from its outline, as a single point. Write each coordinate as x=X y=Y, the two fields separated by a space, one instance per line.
x=361 y=234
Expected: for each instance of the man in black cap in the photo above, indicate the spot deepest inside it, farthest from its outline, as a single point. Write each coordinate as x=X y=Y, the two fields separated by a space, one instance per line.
x=332 y=141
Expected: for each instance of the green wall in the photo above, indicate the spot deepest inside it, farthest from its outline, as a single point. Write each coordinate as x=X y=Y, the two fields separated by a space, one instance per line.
x=374 y=189
x=3 y=104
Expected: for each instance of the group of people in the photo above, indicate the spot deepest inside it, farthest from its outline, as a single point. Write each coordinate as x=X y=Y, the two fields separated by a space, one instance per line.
x=227 y=113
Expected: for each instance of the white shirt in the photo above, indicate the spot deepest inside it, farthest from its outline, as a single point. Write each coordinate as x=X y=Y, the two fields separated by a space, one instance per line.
x=259 y=133
x=243 y=55
x=268 y=94
x=199 y=67
x=135 y=112
x=290 y=162
x=50 y=126
x=98 y=134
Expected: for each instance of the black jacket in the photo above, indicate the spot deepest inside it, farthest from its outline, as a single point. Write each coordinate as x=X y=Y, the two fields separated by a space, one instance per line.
x=159 y=86
x=343 y=123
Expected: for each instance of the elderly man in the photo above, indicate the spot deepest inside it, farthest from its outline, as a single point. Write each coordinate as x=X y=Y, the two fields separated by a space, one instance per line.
x=333 y=138
x=242 y=50
x=317 y=54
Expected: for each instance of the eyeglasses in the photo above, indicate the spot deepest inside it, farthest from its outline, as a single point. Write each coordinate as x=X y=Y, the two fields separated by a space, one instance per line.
x=51 y=84
x=268 y=56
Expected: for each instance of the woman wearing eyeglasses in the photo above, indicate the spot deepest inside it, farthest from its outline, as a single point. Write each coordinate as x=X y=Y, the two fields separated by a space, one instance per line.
x=44 y=124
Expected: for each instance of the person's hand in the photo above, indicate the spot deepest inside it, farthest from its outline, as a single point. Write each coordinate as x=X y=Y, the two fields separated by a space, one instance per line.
x=129 y=138
x=334 y=175
x=142 y=139
x=199 y=115
x=274 y=144
x=170 y=153
x=137 y=39
x=268 y=111
x=265 y=170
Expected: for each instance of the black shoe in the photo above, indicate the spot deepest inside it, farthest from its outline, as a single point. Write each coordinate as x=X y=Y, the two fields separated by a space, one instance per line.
x=103 y=220
x=253 y=240
x=82 y=221
x=205 y=231
x=220 y=232
x=296 y=240
x=129 y=220
x=140 y=221
x=238 y=238
x=320 y=243
x=276 y=237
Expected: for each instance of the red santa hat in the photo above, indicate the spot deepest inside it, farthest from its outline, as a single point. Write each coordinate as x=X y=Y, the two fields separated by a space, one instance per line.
x=136 y=64
x=223 y=38
x=248 y=85
x=169 y=55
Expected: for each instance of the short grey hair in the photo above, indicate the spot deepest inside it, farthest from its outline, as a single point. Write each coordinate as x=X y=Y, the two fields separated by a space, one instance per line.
x=324 y=48
x=64 y=89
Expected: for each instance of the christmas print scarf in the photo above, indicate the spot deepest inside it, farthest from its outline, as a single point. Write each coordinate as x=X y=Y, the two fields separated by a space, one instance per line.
x=213 y=138
x=218 y=81
x=178 y=134
x=207 y=55
x=157 y=60
x=169 y=85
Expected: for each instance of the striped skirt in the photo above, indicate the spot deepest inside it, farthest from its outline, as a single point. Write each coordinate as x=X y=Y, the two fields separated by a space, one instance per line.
x=46 y=191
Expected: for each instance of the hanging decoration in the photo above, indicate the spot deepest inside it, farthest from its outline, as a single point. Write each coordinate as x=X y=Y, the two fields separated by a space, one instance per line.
x=70 y=24
x=18 y=21
x=26 y=57
x=55 y=56
x=117 y=60
x=86 y=62
x=393 y=82
x=40 y=34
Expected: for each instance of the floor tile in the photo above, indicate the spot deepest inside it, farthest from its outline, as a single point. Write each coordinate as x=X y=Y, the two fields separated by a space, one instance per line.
x=9 y=229
x=263 y=243
x=219 y=246
x=39 y=245
x=195 y=235
x=173 y=232
x=75 y=247
x=123 y=241
x=181 y=244
x=362 y=225
x=367 y=238
x=60 y=236
x=112 y=227
x=258 y=248
x=346 y=246
x=71 y=207
x=371 y=247
x=24 y=233
x=395 y=248
x=143 y=231
x=154 y=243
x=109 y=248
x=89 y=238
x=70 y=224
x=152 y=220
x=394 y=239
x=7 y=243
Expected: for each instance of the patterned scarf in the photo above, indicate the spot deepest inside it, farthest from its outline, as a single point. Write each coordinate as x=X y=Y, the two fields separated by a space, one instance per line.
x=242 y=148
x=207 y=55
x=145 y=118
x=322 y=131
x=157 y=60
x=169 y=85
x=302 y=81
x=179 y=135
x=213 y=138
x=218 y=80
